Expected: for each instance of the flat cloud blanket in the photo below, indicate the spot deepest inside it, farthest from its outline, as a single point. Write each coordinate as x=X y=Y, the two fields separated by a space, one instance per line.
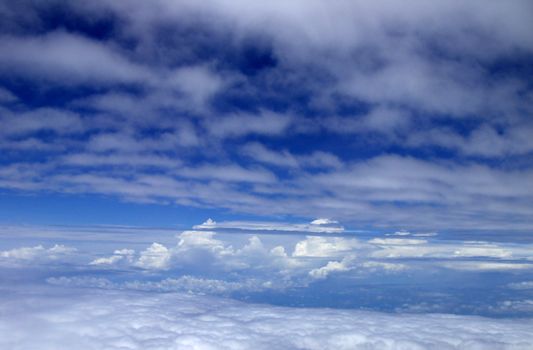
x=114 y=319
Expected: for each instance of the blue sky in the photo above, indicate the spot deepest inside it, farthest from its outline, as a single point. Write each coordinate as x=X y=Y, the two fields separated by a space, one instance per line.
x=363 y=156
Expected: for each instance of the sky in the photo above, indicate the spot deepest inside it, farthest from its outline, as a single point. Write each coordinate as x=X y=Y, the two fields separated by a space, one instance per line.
x=224 y=171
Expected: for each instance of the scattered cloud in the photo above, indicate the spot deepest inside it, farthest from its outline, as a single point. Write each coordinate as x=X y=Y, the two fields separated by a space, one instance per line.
x=383 y=113
x=331 y=266
x=157 y=256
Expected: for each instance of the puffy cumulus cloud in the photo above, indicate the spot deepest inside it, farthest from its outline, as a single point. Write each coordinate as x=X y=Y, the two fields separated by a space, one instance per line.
x=283 y=259
x=119 y=319
x=28 y=255
x=357 y=267
x=120 y=255
x=157 y=256
x=206 y=252
x=331 y=266
x=196 y=241
x=203 y=252
x=154 y=257
x=317 y=246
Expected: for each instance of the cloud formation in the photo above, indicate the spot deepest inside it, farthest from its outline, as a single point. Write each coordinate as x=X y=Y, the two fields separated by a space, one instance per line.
x=365 y=113
x=118 y=319
x=37 y=254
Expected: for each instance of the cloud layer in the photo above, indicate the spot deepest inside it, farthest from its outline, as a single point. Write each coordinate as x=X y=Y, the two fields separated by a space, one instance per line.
x=373 y=114
x=276 y=264
x=128 y=320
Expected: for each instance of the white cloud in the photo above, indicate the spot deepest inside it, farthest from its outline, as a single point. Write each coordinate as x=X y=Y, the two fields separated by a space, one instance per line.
x=316 y=246
x=396 y=241
x=121 y=255
x=379 y=265
x=100 y=319
x=231 y=173
x=410 y=248
x=68 y=58
x=425 y=234
x=318 y=159
x=514 y=305
x=315 y=226
x=399 y=233
x=486 y=266
x=157 y=256
x=197 y=82
x=331 y=266
x=25 y=255
x=186 y=283
x=403 y=60
x=323 y=222
x=203 y=240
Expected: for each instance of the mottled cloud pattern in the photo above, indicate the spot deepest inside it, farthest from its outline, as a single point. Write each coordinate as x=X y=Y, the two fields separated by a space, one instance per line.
x=380 y=114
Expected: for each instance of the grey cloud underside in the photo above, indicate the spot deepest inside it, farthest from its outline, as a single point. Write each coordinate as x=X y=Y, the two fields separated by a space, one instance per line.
x=118 y=320
x=201 y=105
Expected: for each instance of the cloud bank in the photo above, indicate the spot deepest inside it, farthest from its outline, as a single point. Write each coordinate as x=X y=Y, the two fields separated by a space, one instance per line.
x=132 y=320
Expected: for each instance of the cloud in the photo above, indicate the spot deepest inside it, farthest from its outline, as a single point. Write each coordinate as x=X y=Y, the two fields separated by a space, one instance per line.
x=487 y=266
x=7 y=96
x=410 y=248
x=157 y=256
x=29 y=255
x=63 y=57
x=314 y=246
x=120 y=255
x=41 y=120
x=284 y=158
x=378 y=265
x=115 y=319
x=188 y=284
x=367 y=113
x=238 y=125
x=331 y=266
x=395 y=241
x=315 y=226
x=323 y=221
x=231 y=173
